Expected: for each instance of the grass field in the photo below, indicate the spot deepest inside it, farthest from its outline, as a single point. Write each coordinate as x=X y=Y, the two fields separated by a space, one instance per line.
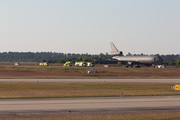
x=129 y=116
x=55 y=90
x=9 y=71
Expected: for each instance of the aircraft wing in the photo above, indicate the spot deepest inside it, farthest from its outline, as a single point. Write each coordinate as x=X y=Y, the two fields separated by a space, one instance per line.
x=122 y=61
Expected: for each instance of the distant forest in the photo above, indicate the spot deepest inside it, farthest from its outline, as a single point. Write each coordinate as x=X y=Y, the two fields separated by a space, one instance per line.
x=38 y=56
x=62 y=57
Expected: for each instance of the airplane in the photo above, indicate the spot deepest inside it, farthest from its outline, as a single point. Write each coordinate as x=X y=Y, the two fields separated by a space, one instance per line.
x=129 y=61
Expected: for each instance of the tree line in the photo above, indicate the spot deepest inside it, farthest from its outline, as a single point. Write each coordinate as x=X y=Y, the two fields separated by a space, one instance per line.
x=171 y=62
x=81 y=58
x=53 y=57
x=36 y=57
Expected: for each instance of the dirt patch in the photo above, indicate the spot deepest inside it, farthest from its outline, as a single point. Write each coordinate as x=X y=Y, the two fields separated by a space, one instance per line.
x=33 y=71
x=36 y=73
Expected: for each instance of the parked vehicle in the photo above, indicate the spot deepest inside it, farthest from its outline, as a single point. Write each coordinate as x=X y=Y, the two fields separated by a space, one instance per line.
x=43 y=64
x=81 y=64
x=67 y=64
x=160 y=66
x=84 y=64
x=16 y=64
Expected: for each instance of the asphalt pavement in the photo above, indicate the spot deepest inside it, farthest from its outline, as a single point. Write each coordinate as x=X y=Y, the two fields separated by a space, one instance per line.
x=87 y=104
x=176 y=81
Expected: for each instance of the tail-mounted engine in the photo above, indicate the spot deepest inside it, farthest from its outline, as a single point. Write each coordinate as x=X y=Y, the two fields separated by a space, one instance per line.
x=118 y=53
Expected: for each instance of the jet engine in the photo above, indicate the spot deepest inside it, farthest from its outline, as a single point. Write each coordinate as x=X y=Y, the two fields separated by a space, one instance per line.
x=118 y=53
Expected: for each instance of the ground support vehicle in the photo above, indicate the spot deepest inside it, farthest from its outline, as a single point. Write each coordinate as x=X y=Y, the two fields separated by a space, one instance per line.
x=160 y=66
x=43 y=64
x=81 y=64
x=67 y=64
x=90 y=64
x=16 y=64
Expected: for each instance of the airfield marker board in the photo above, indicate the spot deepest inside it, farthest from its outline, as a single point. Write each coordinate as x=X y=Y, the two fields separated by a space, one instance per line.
x=175 y=87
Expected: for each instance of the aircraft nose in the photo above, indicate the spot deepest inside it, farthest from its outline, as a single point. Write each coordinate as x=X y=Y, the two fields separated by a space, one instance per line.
x=159 y=60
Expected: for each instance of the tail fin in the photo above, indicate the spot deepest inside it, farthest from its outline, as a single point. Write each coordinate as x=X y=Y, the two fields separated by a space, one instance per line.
x=113 y=47
x=115 y=51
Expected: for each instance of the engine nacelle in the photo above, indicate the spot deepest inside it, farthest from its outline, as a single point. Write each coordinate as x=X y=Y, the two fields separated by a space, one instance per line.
x=119 y=53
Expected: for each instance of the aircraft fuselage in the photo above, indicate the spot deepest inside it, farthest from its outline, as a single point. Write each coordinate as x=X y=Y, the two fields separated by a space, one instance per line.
x=147 y=60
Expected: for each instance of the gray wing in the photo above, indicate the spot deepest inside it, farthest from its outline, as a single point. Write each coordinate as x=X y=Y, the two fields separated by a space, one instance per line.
x=122 y=61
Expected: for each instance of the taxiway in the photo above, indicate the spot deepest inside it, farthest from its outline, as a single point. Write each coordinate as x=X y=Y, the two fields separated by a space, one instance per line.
x=94 y=80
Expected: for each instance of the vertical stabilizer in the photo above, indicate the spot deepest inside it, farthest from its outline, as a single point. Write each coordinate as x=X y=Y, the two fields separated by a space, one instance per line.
x=113 y=47
x=115 y=51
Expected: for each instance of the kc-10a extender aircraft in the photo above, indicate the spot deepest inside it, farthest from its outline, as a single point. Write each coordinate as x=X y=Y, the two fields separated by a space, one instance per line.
x=129 y=61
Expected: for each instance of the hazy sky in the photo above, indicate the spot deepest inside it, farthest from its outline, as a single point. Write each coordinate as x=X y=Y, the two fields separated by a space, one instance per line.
x=88 y=26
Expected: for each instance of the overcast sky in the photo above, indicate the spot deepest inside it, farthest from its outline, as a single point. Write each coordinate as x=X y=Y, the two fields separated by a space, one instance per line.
x=88 y=26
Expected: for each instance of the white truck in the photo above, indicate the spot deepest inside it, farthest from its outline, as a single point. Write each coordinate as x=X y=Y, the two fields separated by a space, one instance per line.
x=16 y=64
x=90 y=64
x=160 y=66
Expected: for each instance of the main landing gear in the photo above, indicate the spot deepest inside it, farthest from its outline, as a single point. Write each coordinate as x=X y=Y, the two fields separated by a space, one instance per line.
x=130 y=66
x=137 y=66
x=126 y=66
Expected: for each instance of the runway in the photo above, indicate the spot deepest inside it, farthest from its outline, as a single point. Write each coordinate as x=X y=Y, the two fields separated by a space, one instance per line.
x=38 y=106
x=94 y=80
